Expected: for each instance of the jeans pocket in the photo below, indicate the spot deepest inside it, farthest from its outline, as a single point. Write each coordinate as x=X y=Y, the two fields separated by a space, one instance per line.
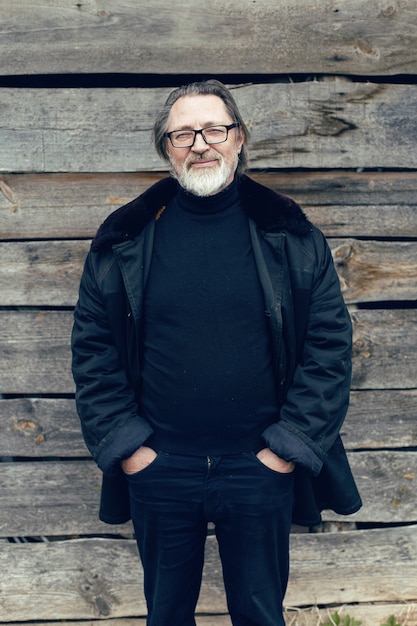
x=145 y=470
x=284 y=475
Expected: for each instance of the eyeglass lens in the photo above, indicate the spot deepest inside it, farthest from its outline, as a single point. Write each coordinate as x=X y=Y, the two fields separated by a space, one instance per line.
x=186 y=138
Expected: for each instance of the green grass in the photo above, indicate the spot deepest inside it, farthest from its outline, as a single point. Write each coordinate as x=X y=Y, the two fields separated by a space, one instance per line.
x=347 y=620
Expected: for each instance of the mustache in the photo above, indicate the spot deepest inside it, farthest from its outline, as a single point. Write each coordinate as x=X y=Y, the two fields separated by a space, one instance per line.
x=203 y=156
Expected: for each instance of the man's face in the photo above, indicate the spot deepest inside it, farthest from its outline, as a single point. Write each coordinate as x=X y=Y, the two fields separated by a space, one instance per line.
x=203 y=169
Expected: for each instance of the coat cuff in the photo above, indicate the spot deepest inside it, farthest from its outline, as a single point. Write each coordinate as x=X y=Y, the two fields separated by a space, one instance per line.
x=289 y=447
x=121 y=444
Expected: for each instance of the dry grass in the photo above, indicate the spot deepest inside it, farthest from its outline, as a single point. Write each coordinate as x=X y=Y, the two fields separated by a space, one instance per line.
x=369 y=615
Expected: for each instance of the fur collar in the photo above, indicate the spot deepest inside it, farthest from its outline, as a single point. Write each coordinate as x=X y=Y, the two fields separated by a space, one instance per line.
x=271 y=211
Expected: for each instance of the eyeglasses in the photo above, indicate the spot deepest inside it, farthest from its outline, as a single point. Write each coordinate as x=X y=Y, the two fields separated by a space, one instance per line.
x=210 y=134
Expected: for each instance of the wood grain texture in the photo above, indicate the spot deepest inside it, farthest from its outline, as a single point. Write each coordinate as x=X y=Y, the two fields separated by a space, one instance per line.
x=370 y=565
x=384 y=350
x=372 y=271
x=48 y=487
x=387 y=482
x=40 y=273
x=368 y=614
x=201 y=620
x=342 y=204
x=359 y=37
x=41 y=339
x=381 y=419
x=324 y=124
x=58 y=498
x=49 y=427
x=40 y=428
x=101 y=578
x=68 y=157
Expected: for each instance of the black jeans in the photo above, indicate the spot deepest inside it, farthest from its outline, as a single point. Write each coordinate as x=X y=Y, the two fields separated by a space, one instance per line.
x=173 y=499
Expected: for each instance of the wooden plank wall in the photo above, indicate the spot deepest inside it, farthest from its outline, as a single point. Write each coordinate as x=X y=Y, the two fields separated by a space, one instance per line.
x=329 y=92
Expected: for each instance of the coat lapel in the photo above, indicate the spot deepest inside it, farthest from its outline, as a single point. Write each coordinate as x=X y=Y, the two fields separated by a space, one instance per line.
x=272 y=212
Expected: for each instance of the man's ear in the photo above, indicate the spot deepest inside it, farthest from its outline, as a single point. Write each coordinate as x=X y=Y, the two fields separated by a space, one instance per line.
x=239 y=140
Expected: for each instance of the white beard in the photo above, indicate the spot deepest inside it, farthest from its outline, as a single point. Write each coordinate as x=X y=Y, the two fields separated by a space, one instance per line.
x=205 y=181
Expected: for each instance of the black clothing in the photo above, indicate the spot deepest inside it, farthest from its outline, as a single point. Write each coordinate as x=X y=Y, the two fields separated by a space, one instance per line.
x=207 y=378
x=310 y=333
x=172 y=501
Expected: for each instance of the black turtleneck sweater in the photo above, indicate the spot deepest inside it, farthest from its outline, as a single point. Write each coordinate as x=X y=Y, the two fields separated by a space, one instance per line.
x=207 y=383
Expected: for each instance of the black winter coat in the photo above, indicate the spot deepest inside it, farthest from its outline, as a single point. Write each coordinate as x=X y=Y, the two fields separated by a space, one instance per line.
x=310 y=333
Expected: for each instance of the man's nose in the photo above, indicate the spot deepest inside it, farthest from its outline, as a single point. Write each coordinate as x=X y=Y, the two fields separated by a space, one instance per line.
x=199 y=144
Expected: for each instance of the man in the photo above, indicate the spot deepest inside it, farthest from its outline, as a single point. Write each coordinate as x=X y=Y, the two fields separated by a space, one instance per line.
x=212 y=361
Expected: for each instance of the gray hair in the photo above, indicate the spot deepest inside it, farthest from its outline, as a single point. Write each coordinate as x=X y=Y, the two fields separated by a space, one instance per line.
x=210 y=87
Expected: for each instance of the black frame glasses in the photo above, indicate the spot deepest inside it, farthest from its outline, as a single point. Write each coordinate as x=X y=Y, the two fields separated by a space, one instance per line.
x=173 y=135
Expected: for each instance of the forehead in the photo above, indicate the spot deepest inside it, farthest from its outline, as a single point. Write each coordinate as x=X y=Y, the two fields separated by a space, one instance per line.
x=198 y=111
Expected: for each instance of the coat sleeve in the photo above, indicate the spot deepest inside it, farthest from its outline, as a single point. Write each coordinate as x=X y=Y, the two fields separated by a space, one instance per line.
x=318 y=395
x=106 y=404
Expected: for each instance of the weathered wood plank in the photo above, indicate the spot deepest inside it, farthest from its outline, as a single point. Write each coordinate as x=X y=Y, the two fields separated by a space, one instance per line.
x=92 y=578
x=61 y=498
x=342 y=204
x=354 y=566
x=35 y=349
x=52 y=498
x=381 y=419
x=384 y=347
x=201 y=620
x=372 y=271
x=360 y=37
x=41 y=273
x=57 y=206
x=331 y=124
x=387 y=482
x=40 y=427
x=78 y=579
x=384 y=355
x=47 y=273
x=368 y=614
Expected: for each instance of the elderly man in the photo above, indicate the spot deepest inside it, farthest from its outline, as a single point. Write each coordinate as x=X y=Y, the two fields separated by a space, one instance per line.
x=211 y=354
